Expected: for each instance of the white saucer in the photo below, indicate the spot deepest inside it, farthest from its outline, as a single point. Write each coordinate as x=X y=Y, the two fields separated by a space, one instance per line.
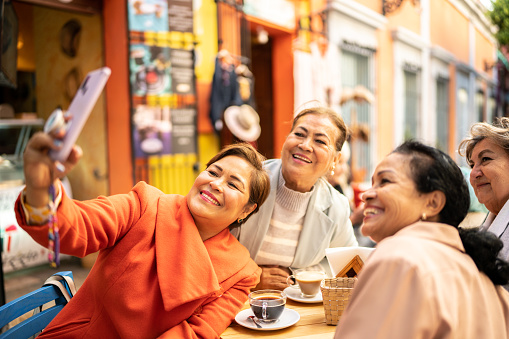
x=287 y=319
x=294 y=294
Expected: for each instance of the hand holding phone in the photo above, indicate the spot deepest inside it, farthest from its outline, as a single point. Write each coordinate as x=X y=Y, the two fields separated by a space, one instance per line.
x=77 y=113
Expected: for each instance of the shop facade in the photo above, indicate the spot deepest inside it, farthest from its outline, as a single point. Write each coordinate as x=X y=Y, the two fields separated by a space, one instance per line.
x=428 y=65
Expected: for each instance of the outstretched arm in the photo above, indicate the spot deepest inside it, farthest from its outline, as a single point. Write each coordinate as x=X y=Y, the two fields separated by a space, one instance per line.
x=41 y=171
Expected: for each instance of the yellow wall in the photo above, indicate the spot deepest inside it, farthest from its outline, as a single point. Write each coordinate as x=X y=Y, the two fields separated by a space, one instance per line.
x=52 y=67
x=449 y=29
x=205 y=30
x=484 y=53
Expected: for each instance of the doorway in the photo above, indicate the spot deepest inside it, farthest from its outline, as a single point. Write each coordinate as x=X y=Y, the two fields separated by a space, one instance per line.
x=261 y=60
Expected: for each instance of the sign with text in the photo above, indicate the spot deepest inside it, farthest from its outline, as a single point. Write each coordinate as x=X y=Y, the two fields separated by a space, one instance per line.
x=182 y=71
x=180 y=15
x=184 y=130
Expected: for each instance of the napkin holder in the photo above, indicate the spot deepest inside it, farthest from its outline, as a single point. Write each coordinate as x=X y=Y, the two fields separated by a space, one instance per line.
x=345 y=264
x=336 y=293
x=352 y=269
x=341 y=257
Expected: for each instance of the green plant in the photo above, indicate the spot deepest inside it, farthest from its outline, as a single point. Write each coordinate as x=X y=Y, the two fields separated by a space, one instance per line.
x=499 y=16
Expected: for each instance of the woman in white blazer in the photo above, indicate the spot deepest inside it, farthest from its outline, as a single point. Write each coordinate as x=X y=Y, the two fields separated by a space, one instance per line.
x=303 y=214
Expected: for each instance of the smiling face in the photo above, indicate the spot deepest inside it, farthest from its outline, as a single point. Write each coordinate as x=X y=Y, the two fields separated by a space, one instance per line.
x=393 y=201
x=490 y=175
x=309 y=151
x=220 y=195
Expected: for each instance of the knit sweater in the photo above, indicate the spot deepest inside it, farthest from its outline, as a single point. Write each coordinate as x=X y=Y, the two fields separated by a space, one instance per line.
x=280 y=242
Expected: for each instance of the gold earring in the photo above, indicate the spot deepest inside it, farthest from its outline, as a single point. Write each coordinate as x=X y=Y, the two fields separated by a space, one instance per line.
x=423 y=217
x=240 y=220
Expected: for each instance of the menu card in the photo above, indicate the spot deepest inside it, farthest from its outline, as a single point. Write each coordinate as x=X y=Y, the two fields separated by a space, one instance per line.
x=339 y=257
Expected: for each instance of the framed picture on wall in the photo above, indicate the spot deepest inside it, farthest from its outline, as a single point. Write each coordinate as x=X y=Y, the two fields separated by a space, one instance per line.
x=8 y=45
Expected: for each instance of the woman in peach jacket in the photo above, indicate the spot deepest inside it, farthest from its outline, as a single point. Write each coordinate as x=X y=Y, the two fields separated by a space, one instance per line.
x=168 y=266
x=427 y=278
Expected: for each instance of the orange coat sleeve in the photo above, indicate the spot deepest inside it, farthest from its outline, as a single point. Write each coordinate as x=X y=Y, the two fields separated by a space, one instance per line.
x=215 y=316
x=89 y=226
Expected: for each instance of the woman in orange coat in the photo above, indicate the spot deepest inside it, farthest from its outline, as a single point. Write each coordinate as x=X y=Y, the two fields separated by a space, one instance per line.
x=168 y=266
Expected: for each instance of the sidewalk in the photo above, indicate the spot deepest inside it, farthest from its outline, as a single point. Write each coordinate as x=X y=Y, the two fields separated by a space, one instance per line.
x=24 y=281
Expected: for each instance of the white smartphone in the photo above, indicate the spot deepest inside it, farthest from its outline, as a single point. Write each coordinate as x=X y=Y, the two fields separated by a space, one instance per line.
x=79 y=110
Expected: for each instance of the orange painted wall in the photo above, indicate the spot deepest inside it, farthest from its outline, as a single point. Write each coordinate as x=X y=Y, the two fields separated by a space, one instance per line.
x=229 y=31
x=449 y=29
x=282 y=77
x=385 y=93
x=484 y=53
x=117 y=95
x=407 y=15
x=374 y=5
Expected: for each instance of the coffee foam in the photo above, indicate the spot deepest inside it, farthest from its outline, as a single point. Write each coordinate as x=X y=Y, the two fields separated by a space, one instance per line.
x=310 y=276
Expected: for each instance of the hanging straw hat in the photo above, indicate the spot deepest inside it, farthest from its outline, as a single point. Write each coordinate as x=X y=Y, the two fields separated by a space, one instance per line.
x=243 y=122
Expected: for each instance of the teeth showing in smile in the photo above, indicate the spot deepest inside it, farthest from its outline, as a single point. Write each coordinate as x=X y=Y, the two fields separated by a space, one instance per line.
x=209 y=199
x=371 y=211
x=301 y=158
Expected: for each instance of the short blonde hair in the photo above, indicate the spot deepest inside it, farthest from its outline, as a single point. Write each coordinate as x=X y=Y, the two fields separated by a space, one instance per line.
x=498 y=132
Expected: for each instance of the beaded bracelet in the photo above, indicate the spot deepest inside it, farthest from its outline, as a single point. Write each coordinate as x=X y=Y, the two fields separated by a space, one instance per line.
x=53 y=234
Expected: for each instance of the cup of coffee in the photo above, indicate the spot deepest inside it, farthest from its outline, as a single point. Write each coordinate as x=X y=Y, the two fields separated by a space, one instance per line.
x=308 y=282
x=267 y=305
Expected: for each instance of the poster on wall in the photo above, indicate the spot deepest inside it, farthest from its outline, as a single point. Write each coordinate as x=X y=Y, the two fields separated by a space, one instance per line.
x=184 y=130
x=148 y=15
x=182 y=71
x=152 y=131
x=163 y=90
x=150 y=70
x=180 y=15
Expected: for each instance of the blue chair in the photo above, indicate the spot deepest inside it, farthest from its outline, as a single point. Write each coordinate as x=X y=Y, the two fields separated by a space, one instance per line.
x=58 y=288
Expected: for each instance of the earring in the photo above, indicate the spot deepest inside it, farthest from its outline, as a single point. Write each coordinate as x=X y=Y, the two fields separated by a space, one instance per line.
x=333 y=168
x=240 y=220
x=423 y=217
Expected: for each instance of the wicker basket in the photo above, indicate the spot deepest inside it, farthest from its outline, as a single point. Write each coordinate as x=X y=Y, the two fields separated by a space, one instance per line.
x=336 y=293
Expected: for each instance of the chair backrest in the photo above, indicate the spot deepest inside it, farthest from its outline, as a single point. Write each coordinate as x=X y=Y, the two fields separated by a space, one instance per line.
x=34 y=301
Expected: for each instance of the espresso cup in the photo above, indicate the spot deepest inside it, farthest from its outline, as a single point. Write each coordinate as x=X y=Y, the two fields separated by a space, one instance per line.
x=267 y=305
x=307 y=281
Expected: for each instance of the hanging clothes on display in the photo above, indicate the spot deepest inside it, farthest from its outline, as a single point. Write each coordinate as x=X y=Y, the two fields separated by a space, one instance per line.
x=245 y=82
x=225 y=89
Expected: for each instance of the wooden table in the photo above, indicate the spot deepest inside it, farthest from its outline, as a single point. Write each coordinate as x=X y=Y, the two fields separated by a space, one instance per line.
x=311 y=325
